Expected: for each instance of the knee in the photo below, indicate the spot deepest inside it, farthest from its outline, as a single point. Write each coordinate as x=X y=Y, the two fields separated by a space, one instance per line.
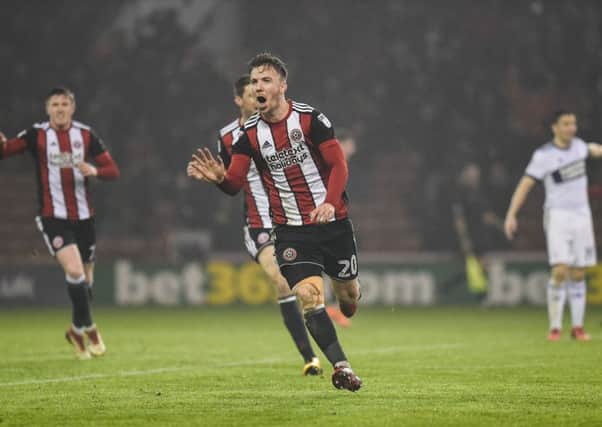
x=560 y=274
x=309 y=295
x=577 y=274
x=74 y=271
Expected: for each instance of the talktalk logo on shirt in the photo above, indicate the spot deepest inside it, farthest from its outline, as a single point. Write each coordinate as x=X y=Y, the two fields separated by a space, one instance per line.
x=286 y=158
x=569 y=172
x=64 y=160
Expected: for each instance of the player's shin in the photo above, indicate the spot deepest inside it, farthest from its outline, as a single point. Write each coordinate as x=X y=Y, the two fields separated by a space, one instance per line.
x=291 y=315
x=577 y=296
x=556 y=295
x=77 y=289
x=321 y=328
x=310 y=292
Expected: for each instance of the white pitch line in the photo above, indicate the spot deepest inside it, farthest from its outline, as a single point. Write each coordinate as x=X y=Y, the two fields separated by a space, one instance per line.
x=406 y=348
x=267 y=361
x=247 y=362
x=94 y=376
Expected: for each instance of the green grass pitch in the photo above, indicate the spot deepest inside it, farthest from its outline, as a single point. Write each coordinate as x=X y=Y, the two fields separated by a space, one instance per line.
x=237 y=367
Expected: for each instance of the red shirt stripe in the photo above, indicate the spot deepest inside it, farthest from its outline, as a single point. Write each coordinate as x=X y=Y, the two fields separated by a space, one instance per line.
x=68 y=178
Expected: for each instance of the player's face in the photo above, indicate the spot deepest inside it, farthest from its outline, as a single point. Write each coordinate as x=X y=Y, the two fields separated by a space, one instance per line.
x=247 y=102
x=566 y=127
x=269 y=88
x=60 y=109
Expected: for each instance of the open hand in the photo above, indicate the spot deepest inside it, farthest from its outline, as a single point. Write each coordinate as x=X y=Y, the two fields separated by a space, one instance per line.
x=213 y=170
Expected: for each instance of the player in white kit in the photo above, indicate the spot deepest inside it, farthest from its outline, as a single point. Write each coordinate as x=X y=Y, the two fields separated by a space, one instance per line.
x=560 y=165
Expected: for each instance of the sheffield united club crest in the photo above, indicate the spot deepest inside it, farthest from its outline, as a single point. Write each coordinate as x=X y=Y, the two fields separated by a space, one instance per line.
x=296 y=135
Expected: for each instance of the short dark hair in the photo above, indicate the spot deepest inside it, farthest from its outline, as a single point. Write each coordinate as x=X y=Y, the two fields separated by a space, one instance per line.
x=61 y=90
x=271 y=60
x=240 y=84
x=556 y=115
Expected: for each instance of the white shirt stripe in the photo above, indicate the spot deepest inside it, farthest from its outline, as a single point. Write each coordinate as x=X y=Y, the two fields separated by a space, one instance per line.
x=54 y=161
x=78 y=155
x=256 y=186
x=259 y=195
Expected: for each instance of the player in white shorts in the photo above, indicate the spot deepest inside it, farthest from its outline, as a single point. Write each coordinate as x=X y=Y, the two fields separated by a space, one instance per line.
x=560 y=165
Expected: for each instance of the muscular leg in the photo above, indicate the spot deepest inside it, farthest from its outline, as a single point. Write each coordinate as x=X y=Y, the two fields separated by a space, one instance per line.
x=267 y=260
x=557 y=294
x=577 y=296
x=70 y=260
x=287 y=302
x=310 y=292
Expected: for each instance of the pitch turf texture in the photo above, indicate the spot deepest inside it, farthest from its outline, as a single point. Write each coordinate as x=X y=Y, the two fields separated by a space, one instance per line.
x=452 y=366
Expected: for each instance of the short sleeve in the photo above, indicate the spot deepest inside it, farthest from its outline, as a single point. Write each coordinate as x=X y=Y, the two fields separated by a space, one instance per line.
x=243 y=146
x=537 y=166
x=97 y=146
x=321 y=129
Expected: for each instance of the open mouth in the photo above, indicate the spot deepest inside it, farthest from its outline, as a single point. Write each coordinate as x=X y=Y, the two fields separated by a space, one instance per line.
x=261 y=99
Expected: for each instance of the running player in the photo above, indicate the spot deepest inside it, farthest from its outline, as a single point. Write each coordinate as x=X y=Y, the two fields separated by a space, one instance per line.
x=258 y=225
x=304 y=172
x=560 y=164
x=63 y=150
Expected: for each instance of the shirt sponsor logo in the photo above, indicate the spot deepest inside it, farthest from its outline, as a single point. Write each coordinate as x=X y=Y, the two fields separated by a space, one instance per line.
x=569 y=172
x=65 y=160
x=286 y=158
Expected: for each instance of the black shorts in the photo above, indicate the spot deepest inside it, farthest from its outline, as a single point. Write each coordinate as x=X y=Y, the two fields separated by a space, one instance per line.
x=256 y=239
x=309 y=250
x=59 y=233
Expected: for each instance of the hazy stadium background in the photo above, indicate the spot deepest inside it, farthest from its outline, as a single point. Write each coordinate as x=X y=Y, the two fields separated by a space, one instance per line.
x=427 y=89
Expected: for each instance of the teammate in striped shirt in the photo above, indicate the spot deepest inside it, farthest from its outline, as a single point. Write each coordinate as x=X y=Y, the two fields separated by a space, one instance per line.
x=67 y=155
x=304 y=172
x=258 y=225
x=560 y=165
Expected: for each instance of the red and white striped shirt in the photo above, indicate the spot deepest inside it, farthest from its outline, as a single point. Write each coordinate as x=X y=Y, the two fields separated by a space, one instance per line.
x=300 y=163
x=63 y=191
x=257 y=207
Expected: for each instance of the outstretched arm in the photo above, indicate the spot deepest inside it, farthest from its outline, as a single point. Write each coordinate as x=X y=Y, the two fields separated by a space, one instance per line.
x=518 y=200
x=10 y=147
x=595 y=150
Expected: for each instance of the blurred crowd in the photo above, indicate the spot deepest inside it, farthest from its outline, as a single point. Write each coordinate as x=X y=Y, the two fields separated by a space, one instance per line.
x=459 y=94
